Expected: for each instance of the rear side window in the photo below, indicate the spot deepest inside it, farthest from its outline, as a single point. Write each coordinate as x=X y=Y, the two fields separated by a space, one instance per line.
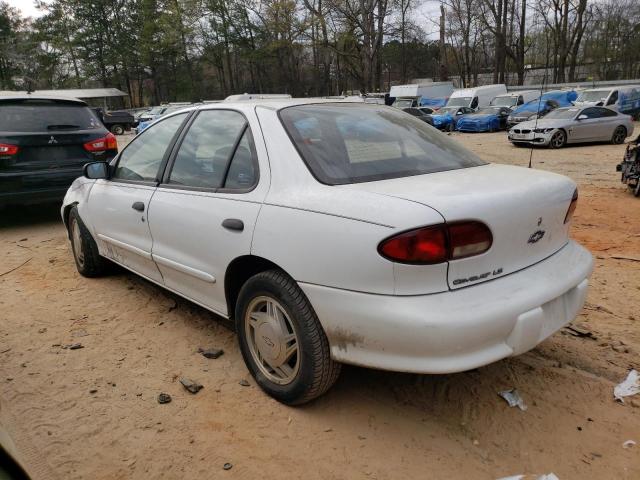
x=46 y=116
x=344 y=144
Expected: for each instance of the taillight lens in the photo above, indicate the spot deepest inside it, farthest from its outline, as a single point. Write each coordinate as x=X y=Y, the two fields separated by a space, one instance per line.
x=100 y=144
x=7 y=149
x=572 y=207
x=438 y=243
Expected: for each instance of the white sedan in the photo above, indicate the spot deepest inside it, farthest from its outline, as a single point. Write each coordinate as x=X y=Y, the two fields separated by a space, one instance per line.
x=336 y=233
x=573 y=125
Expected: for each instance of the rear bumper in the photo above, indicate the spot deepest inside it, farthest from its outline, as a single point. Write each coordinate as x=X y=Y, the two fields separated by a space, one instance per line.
x=456 y=330
x=38 y=187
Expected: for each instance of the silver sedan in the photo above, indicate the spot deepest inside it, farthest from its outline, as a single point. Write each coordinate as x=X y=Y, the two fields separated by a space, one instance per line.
x=573 y=125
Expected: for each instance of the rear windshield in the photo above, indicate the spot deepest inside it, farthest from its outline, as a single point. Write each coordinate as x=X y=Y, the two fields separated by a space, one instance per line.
x=359 y=143
x=45 y=116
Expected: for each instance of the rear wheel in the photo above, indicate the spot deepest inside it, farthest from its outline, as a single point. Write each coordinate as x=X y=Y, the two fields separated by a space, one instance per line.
x=117 y=129
x=85 y=251
x=619 y=134
x=558 y=140
x=281 y=339
x=636 y=190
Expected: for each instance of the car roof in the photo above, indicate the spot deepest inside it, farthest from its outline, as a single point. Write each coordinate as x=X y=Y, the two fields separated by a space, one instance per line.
x=275 y=103
x=27 y=96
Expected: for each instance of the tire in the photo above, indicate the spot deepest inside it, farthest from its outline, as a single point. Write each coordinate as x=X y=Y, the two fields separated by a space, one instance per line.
x=450 y=127
x=272 y=317
x=636 y=190
x=619 y=134
x=85 y=251
x=558 y=140
x=117 y=129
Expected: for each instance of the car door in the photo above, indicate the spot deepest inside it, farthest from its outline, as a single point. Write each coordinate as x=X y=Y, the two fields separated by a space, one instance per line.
x=118 y=207
x=203 y=213
x=608 y=123
x=584 y=129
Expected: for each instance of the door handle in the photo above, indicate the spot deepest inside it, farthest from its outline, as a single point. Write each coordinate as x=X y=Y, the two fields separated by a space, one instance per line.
x=233 y=224
x=139 y=206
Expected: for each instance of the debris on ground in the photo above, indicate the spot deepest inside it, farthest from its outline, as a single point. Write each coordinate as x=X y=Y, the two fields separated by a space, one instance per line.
x=73 y=346
x=93 y=390
x=579 y=332
x=227 y=466
x=190 y=385
x=630 y=386
x=211 y=352
x=164 y=398
x=244 y=383
x=513 y=398
x=628 y=444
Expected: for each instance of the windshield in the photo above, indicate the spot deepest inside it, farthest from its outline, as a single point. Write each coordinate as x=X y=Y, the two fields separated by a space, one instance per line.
x=504 y=101
x=459 y=102
x=403 y=102
x=563 y=113
x=45 y=116
x=592 y=96
x=156 y=110
x=344 y=144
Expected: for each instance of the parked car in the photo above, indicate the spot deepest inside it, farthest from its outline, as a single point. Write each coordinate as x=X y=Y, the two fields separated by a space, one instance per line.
x=487 y=119
x=10 y=466
x=117 y=122
x=336 y=233
x=157 y=112
x=542 y=105
x=423 y=113
x=44 y=143
x=476 y=97
x=446 y=117
x=573 y=125
x=430 y=94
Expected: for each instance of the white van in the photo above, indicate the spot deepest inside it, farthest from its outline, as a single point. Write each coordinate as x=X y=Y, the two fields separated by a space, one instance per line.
x=477 y=97
x=625 y=99
x=417 y=94
x=513 y=99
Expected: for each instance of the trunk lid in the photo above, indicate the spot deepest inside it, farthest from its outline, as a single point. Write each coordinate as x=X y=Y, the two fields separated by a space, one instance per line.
x=524 y=209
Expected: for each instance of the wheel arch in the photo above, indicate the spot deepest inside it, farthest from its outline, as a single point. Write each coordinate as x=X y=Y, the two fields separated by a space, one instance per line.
x=239 y=271
x=65 y=216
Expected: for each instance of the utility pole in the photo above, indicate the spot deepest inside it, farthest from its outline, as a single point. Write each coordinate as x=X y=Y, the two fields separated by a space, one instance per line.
x=443 y=74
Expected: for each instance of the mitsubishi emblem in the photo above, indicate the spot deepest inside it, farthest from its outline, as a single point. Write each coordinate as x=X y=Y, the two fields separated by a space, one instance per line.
x=52 y=140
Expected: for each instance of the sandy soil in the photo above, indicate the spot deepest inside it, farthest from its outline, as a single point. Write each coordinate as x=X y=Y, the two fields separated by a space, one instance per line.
x=138 y=339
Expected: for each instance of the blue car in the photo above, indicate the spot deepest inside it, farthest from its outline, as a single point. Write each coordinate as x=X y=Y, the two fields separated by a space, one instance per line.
x=488 y=119
x=541 y=106
x=145 y=123
x=447 y=117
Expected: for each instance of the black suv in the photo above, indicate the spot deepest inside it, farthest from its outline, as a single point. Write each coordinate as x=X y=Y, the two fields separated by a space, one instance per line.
x=44 y=143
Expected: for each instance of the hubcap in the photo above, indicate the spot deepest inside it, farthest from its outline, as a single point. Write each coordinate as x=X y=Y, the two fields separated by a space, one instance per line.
x=76 y=242
x=557 y=139
x=272 y=340
x=619 y=136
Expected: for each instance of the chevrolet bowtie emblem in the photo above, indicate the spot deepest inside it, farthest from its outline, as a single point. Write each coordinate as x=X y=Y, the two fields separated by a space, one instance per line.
x=536 y=236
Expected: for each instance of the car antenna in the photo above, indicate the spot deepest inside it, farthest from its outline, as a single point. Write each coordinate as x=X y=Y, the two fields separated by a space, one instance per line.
x=535 y=127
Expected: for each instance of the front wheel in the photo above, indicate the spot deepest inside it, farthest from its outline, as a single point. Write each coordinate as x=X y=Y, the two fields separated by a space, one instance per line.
x=85 y=251
x=281 y=339
x=558 y=139
x=636 y=190
x=619 y=134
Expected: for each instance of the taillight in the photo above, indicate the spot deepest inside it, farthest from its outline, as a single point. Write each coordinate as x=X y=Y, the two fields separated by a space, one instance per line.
x=438 y=243
x=100 y=144
x=572 y=207
x=6 y=149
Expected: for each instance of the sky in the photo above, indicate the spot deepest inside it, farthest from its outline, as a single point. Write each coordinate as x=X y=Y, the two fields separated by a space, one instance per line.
x=28 y=7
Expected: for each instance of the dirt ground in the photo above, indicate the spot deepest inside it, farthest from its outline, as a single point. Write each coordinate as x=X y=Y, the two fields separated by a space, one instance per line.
x=92 y=413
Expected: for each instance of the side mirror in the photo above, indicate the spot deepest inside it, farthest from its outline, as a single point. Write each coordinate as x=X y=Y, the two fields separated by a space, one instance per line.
x=96 y=170
x=582 y=116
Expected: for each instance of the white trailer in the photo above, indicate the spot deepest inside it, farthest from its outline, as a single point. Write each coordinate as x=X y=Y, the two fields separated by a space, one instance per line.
x=476 y=97
x=513 y=99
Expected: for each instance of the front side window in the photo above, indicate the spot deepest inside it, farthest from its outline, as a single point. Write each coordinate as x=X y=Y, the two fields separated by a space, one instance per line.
x=613 y=98
x=344 y=144
x=218 y=147
x=141 y=159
